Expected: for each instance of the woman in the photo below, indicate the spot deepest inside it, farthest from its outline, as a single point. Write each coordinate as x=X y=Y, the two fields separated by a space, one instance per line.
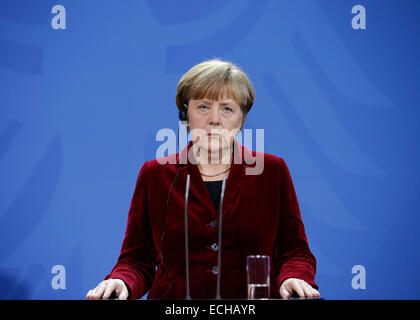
x=260 y=211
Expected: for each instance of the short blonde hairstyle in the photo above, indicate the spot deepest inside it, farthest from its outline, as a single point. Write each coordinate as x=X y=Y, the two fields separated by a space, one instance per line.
x=213 y=78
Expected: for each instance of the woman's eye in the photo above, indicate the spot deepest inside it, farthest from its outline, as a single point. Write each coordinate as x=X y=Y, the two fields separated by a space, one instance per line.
x=203 y=107
x=227 y=109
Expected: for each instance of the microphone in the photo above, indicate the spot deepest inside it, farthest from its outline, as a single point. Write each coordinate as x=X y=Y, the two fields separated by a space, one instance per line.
x=187 y=260
x=219 y=252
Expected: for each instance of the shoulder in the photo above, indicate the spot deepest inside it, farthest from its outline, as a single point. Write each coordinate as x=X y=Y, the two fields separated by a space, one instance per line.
x=276 y=165
x=271 y=161
x=264 y=164
x=160 y=165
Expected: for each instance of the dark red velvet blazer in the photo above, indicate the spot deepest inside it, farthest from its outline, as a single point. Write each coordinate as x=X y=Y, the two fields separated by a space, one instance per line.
x=260 y=216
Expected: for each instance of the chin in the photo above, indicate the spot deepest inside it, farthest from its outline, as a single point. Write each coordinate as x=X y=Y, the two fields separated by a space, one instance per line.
x=214 y=149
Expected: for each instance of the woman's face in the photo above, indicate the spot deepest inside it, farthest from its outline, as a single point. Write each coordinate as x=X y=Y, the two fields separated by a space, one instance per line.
x=214 y=124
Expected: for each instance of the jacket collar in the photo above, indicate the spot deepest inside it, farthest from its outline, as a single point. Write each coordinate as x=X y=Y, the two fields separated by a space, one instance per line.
x=234 y=180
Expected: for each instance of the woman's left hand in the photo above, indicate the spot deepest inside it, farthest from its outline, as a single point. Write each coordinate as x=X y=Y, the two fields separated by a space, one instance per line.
x=302 y=288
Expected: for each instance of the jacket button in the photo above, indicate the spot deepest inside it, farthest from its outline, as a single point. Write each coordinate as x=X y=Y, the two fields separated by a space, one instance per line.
x=215 y=270
x=213 y=224
x=214 y=247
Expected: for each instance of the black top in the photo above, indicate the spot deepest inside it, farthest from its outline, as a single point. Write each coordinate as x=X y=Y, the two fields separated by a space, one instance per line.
x=214 y=188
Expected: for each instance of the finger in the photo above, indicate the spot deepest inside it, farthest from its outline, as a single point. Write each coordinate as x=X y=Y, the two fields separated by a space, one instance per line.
x=284 y=293
x=316 y=293
x=123 y=294
x=108 y=290
x=99 y=290
x=308 y=290
x=88 y=295
x=313 y=292
x=298 y=288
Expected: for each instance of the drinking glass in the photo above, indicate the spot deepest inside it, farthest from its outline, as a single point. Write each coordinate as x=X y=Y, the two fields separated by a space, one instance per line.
x=258 y=276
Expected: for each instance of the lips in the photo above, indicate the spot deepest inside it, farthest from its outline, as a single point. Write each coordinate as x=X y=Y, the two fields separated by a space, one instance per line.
x=214 y=136
x=214 y=133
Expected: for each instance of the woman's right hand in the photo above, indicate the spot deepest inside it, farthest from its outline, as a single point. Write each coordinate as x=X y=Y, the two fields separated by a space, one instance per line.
x=106 y=288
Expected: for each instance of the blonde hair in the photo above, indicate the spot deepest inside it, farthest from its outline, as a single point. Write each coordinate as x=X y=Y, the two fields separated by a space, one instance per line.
x=213 y=78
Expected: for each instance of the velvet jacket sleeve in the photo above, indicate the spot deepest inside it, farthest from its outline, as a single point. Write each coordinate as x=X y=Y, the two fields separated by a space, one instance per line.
x=292 y=256
x=136 y=262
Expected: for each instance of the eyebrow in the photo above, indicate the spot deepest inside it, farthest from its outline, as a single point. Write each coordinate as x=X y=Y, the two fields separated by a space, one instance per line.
x=229 y=101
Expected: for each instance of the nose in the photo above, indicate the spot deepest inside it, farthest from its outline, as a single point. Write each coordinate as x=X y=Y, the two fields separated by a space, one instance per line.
x=214 y=117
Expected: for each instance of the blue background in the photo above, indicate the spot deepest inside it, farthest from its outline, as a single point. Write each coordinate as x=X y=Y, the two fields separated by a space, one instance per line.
x=80 y=109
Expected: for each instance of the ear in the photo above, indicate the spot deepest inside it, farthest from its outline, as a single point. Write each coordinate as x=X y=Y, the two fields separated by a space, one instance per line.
x=186 y=113
x=243 y=122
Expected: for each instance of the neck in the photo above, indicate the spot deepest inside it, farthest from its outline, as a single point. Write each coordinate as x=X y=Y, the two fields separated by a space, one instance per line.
x=214 y=164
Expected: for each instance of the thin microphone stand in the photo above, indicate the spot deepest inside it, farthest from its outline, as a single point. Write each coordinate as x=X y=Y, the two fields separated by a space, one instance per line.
x=219 y=252
x=187 y=269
